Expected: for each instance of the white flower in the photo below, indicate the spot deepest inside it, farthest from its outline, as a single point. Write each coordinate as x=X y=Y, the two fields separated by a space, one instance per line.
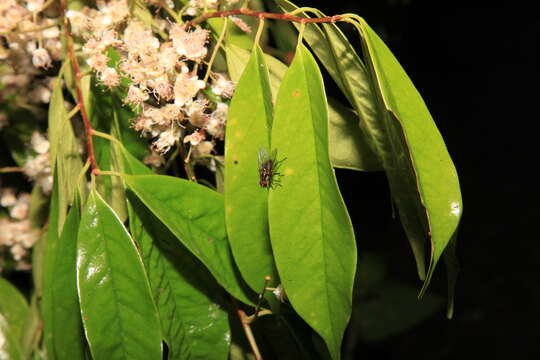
x=34 y=5
x=195 y=138
x=165 y=140
x=8 y=197
x=41 y=58
x=21 y=208
x=222 y=86
x=191 y=44
x=186 y=88
x=39 y=143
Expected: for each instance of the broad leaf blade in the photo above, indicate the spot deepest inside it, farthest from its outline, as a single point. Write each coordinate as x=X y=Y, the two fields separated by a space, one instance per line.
x=246 y=202
x=187 y=295
x=63 y=321
x=310 y=230
x=238 y=58
x=422 y=177
x=14 y=308
x=64 y=154
x=114 y=292
x=347 y=149
x=195 y=215
x=350 y=74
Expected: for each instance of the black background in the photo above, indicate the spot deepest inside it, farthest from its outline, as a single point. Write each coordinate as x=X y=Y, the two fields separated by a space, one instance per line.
x=475 y=64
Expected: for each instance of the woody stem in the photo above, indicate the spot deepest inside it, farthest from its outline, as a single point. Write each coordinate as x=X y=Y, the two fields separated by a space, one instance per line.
x=263 y=15
x=78 y=90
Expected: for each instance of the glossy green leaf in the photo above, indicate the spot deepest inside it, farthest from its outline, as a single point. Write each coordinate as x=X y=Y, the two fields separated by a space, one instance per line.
x=64 y=153
x=187 y=296
x=350 y=148
x=63 y=325
x=422 y=177
x=246 y=202
x=310 y=230
x=114 y=293
x=14 y=308
x=348 y=71
x=196 y=216
x=347 y=149
x=9 y=345
x=238 y=58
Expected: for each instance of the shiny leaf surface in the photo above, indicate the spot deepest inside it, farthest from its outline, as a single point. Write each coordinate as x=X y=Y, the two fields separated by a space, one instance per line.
x=422 y=177
x=310 y=229
x=246 y=202
x=347 y=149
x=114 y=293
x=195 y=215
x=348 y=71
x=187 y=296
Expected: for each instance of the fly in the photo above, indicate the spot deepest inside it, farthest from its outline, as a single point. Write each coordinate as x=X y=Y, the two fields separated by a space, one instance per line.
x=268 y=165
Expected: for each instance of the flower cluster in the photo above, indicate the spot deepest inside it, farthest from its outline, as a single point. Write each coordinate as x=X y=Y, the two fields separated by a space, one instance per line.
x=161 y=75
x=17 y=234
x=29 y=43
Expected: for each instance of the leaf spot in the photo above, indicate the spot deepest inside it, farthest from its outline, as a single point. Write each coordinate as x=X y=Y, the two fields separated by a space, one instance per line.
x=296 y=93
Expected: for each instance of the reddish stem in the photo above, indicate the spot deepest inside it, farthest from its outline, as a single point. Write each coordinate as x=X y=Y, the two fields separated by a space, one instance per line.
x=80 y=98
x=263 y=15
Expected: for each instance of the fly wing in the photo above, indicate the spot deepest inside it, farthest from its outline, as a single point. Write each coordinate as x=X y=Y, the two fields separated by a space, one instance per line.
x=263 y=156
x=274 y=156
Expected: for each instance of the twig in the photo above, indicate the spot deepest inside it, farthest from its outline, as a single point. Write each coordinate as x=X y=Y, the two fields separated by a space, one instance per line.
x=247 y=329
x=10 y=169
x=80 y=98
x=263 y=15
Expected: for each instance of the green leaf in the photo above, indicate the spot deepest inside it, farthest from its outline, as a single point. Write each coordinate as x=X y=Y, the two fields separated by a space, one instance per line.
x=114 y=293
x=60 y=301
x=64 y=153
x=348 y=71
x=38 y=207
x=14 y=309
x=310 y=230
x=238 y=58
x=348 y=150
x=9 y=345
x=422 y=177
x=47 y=260
x=186 y=294
x=195 y=215
x=246 y=202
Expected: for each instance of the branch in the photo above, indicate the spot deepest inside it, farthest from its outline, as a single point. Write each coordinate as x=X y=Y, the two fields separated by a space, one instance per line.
x=80 y=98
x=247 y=329
x=263 y=15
